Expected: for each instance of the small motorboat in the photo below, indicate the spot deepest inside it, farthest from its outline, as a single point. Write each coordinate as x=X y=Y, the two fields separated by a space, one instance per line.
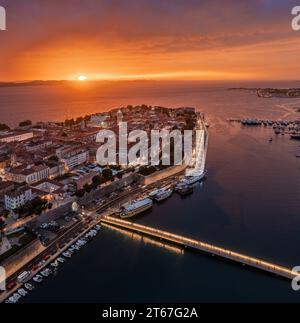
x=38 y=279
x=29 y=286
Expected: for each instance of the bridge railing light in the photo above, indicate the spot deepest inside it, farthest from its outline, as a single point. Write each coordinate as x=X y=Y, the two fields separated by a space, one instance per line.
x=203 y=245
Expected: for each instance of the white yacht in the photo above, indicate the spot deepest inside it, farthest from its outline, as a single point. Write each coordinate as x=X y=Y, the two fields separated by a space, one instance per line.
x=54 y=264
x=17 y=296
x=45 y=273
x=164 y=194
x=29 y=286
x=22 y=292
x=190 y=180
x=13 y=300
x=9 y=301
x=61 y=260
x=38 y=279
x=153 y=194
x=67 y=254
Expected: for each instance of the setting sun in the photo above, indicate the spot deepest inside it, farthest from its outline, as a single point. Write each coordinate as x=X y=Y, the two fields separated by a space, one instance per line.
x=82 y=78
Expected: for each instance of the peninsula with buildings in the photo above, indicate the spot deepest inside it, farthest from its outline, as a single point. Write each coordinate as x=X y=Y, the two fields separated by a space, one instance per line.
x=53 y=190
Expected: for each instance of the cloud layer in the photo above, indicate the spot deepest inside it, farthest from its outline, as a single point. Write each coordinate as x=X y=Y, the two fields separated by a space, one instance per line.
x=149 y=38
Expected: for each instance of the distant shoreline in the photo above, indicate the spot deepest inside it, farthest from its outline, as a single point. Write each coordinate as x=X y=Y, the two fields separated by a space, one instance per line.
x=4 y=84
x=32 y=83
x=271 y=92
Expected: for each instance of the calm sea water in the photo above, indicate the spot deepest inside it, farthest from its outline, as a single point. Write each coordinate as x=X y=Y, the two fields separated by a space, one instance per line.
x=250 y=201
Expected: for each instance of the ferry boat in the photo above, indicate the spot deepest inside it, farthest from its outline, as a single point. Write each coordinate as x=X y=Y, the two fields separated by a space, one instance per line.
x=295 y=136
x=135 y=208
x=164 y=194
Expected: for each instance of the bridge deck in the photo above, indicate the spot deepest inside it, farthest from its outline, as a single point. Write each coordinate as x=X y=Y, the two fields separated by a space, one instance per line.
x=203 y=246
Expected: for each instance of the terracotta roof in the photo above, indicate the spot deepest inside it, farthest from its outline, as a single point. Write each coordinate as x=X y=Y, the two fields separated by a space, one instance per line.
x=6 y=184
x=13 y=134
x=27 y=171
x=18 y=192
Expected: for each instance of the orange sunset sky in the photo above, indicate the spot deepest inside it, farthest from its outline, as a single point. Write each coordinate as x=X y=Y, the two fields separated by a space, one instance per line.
x=149 y=39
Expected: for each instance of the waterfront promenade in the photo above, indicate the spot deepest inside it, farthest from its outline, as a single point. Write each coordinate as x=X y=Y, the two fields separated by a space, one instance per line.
x=203 y=246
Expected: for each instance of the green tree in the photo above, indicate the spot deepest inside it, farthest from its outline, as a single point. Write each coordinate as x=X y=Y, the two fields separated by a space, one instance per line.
x=147 y=170
x=97 y=180
x=25 y=123
x=5 y=213
x=53 y=158
x=38 y=205
x=4 y=127
x=107 y=173
x=38 y=210
x=120 y=175
x=69 y=122
x=115 y=167
x=2 y=224
x=87 y=188
x=80 y=193
x=79 y=120
x=22 y=210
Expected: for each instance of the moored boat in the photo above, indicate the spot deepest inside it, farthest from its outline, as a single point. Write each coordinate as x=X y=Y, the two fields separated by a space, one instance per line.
x=164 y=194
x=135 y=208
x=153 y=194
x=295 y=136
x=185 y=190
x=190 y=180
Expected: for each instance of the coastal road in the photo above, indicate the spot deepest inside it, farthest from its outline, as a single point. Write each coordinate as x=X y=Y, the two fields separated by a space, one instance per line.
x=71 y=235
x=51 y=249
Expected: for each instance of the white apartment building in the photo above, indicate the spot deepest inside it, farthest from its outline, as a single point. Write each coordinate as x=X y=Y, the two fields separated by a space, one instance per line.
x=16 y=136
x=28 y=175
x=38 y=145
x=18 y=198
x=56 y=169
x=76 y=158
